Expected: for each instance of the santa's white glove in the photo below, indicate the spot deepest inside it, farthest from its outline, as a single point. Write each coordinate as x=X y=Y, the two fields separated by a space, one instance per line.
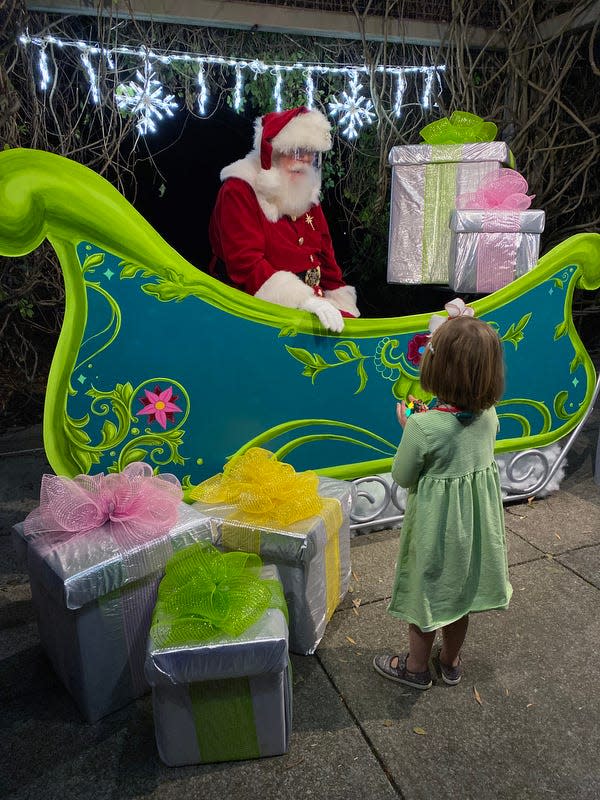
x=328 y=315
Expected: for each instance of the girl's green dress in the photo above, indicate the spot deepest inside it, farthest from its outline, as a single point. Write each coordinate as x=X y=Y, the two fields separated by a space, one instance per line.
x=452 y=557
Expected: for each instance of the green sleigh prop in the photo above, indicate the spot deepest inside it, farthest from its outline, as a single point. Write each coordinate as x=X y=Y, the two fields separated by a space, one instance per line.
x=144 y=330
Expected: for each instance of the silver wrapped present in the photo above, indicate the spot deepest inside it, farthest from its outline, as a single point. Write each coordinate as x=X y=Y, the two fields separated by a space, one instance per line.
x=225 y=699
x=426 y=179
x=94 y=603
x=489 y=249
x=313 y=559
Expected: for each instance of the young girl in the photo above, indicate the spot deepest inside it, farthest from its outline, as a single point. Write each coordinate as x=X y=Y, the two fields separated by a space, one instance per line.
x=452 y=557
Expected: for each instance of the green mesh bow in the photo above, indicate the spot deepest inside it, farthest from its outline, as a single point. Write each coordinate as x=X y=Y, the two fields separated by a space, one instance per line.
x=206 y=593
x=460 y=128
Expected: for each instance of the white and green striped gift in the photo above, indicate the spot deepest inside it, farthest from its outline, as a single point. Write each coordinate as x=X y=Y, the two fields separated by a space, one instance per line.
x=426 y=179
x=220 y=696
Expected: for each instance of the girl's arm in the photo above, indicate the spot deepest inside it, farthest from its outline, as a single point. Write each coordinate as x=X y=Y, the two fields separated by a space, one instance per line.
x=410 y=456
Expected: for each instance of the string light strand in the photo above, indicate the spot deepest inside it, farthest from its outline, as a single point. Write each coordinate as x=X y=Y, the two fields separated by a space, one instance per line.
x=145 y=99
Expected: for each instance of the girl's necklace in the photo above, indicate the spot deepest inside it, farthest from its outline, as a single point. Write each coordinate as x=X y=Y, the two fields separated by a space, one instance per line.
x=459 y=413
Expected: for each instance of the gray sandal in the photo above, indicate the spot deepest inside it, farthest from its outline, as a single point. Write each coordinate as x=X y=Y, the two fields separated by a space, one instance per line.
x=394 y=668
x=450 y=675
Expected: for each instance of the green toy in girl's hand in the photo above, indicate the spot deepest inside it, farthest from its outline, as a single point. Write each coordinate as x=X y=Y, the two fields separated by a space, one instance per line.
x=414 y=406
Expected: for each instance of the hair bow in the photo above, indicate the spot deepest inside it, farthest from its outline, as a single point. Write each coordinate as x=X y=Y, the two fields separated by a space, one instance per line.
x=455 y=308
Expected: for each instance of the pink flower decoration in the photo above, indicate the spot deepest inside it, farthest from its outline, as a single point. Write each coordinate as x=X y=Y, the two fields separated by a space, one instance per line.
x=159 y=406
x=416 y=348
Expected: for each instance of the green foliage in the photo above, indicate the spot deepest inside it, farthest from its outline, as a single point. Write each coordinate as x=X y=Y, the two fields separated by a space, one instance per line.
x=25 y=307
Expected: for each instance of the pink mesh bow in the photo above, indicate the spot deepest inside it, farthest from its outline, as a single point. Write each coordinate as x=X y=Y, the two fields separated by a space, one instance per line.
x=455 y=308
x=506 y=190
x=137 y=505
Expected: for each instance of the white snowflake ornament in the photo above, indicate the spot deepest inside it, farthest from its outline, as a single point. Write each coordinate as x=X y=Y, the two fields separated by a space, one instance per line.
x=145 y=100
x=354 y=110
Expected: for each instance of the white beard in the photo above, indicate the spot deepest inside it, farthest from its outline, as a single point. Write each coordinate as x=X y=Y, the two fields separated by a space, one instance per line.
x=294 y=196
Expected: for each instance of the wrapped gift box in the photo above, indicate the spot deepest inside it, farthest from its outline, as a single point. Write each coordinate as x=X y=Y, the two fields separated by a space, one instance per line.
x=225 y=699
x=426 y=179
x=489 y=249
x=94 y=605
x=313 y=559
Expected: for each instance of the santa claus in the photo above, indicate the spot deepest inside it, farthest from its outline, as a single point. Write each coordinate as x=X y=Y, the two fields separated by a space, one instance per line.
x=268 y=232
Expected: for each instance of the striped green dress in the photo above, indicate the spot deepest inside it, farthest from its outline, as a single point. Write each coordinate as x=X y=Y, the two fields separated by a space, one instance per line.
x=452 y=557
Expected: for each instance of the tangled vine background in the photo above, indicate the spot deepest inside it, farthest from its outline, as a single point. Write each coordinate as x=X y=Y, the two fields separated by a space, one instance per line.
x=538 y=83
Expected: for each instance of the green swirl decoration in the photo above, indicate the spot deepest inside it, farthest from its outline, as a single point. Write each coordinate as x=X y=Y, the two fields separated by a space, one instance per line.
x=541 y=408
x=120 y=436
x=360 y=436
x=390 y=365
x=347 y=352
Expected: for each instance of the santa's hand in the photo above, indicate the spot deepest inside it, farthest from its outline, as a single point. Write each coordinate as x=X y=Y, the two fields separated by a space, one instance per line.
x=328 y=315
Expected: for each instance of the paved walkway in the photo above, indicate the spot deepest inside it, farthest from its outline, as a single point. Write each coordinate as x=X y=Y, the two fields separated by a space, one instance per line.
x=523 y=725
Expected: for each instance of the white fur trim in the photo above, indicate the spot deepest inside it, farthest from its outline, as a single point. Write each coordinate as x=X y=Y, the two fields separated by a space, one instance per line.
x=343 y=298
x=245 y=168
x=266 y=187
x=248 y=169
x=285 y=288
x=310 y=131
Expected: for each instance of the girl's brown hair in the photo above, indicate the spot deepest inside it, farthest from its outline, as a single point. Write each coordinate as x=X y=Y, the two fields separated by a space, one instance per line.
x=464 y=364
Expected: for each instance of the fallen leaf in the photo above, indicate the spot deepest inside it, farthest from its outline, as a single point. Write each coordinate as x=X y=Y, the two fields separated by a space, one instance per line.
x=355 y=611
x=357 y=653
x=350 y=589
x=550 y=556
x=557 y=535
x=350 y=639
x=356 y=602
x=388 y=723
x=355 y=576
x=506 y=692
x=529 y=705
x=420 y=731
x=530 y=500
x=477 y=696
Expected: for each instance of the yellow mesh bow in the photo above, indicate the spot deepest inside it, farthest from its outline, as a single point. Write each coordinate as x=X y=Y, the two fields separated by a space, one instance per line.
x=263 y=488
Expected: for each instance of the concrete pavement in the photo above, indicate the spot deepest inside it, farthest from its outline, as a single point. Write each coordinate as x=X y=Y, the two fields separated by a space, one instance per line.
x=523 y=725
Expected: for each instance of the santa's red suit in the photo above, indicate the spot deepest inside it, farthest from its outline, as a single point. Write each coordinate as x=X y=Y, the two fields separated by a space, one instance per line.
x=274 y=242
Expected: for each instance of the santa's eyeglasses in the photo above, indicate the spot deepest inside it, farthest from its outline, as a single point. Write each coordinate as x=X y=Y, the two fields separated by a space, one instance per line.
x=305 y=156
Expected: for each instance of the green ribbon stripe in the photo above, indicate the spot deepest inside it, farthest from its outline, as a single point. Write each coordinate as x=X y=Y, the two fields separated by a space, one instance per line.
x=438 y=203
x=224 y=720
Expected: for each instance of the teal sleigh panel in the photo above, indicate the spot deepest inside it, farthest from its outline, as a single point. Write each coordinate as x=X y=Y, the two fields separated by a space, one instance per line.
x=159 y=362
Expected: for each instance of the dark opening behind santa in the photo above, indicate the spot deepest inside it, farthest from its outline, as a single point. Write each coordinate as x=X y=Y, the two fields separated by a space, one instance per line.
x=268 y=233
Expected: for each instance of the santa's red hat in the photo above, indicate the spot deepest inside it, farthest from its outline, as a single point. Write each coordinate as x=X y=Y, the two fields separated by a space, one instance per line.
x=284 y=131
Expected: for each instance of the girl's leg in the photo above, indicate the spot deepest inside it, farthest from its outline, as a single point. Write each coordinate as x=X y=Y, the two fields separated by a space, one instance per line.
x=453 y=636
x=419 y=645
